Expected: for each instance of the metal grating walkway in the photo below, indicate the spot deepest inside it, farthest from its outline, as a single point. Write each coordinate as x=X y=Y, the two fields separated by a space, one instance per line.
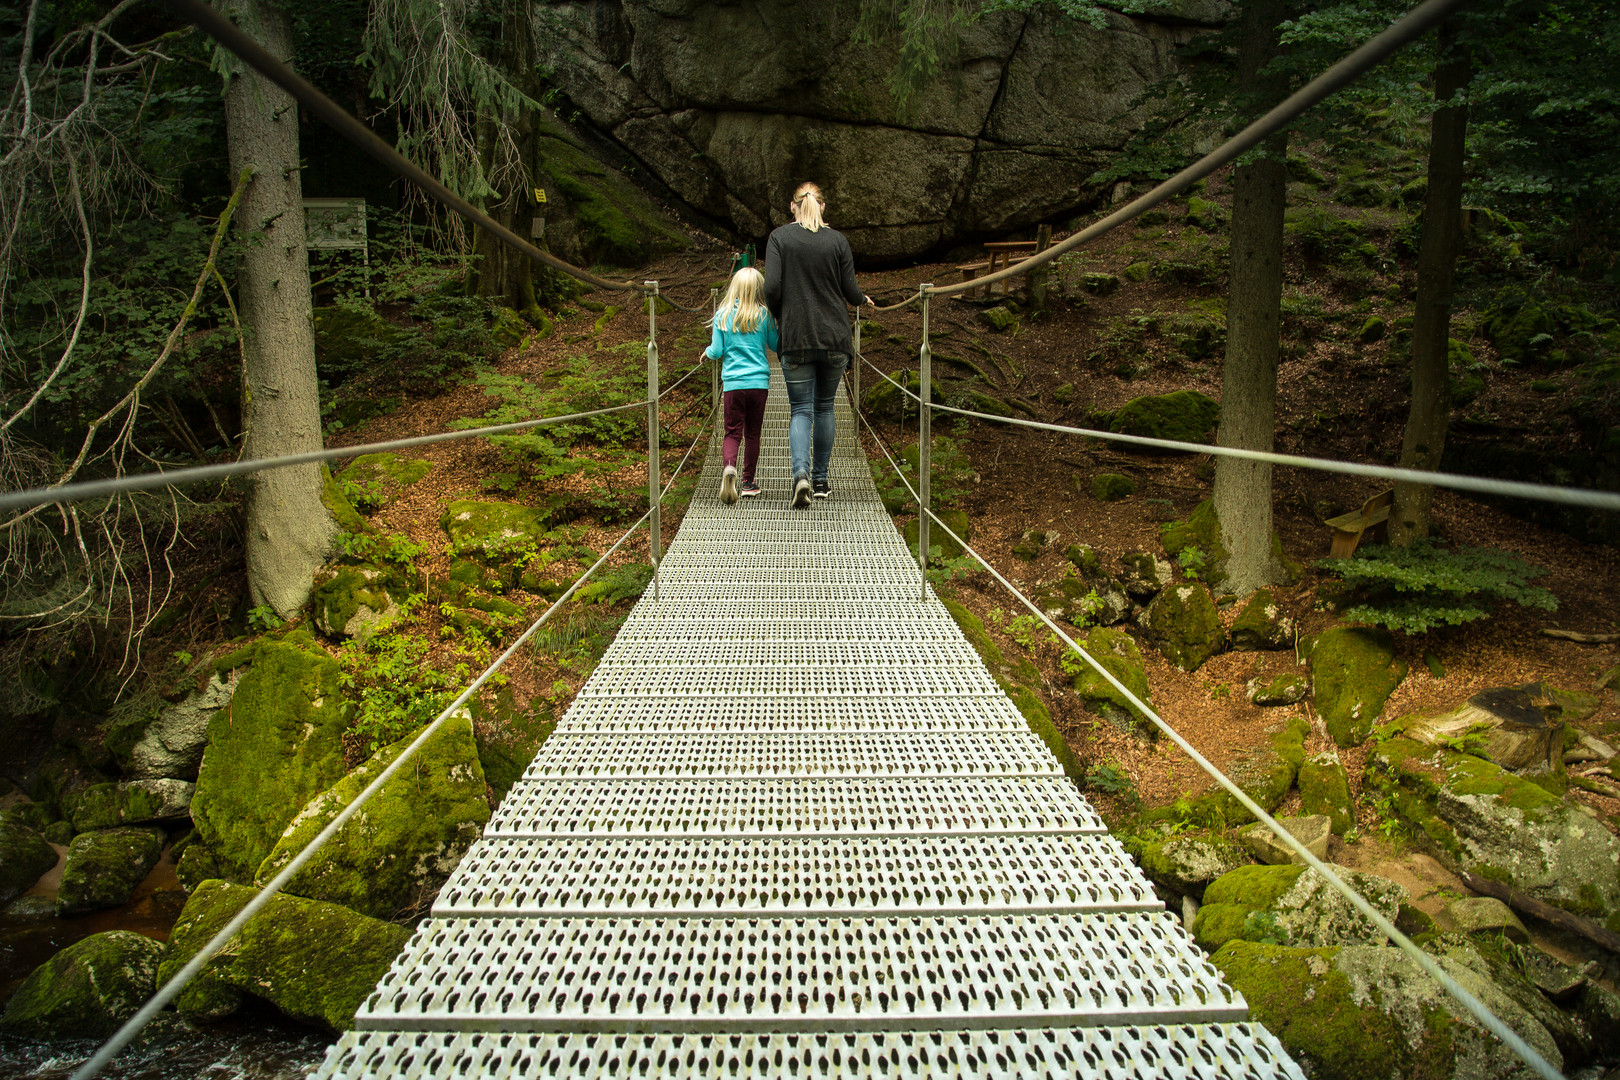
x=791 y=827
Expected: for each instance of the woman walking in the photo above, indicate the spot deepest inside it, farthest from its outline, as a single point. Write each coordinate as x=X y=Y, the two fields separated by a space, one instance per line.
x=809 y=277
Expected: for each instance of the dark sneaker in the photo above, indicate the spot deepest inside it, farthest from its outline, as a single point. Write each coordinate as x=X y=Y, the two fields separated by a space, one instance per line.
x=748 y=490
x=821 y=489
x=728 y=485
x=801 y=493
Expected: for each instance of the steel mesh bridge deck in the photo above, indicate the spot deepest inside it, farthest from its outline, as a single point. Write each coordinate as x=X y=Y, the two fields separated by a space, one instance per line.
x=791 y=827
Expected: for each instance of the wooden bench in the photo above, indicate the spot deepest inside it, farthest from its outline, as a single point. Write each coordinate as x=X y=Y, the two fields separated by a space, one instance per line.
x=1372 y=521
x=1000 y=254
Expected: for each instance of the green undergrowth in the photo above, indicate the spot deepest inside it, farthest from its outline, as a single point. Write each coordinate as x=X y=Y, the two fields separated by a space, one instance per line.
x=1423 y=586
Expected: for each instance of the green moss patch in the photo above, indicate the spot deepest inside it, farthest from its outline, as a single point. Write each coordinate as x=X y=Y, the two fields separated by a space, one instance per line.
x=87 y=990
x=1183 y=623
x=1117 y=652
x=25 y=856
x=1354 y=670
x=102 y=868
x=1180 y=416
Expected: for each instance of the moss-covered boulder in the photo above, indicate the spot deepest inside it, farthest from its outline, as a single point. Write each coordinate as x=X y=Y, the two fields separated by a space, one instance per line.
x=1476 y=816
x=87 y=990
x=62 y=771
x=1083 y=602
x=1324 y=788
x=1262 y=624
x=956 y=520
x=1112 y=487
x=1198 y=537
x=495 y=533
x=1292 y=904
x=1183 y=623
x=508 y=737
x=1118 y=653
x=1284 y=688
x=1144 y=575
x=1184 y=864
x=1205 y=214
x=102 y=868
x=594 y=213
x=372 y=481
x=999 y=319
x=1520 y=326
x=883 y=400
x=1369 y=1011
x=135 y=802
x=25 y=856
x=1180 y=416
x=1098 y=283
x=399 y=848
x=356 y=601
x=315 y=962
x=276 y=747
x=1311 y=831
x=1354 y=670
x=1264 y=774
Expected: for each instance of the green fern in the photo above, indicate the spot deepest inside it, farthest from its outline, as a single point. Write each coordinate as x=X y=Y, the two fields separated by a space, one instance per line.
x=1419 y=587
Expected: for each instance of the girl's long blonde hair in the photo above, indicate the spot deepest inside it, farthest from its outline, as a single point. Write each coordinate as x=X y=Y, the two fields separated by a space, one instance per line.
x=743 y=306
x=808 y=202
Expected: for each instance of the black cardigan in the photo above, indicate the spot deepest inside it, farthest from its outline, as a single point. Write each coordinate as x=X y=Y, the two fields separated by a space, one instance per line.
x=809 y=277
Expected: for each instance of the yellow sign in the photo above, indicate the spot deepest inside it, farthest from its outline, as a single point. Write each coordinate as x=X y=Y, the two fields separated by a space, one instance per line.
x=540 y=195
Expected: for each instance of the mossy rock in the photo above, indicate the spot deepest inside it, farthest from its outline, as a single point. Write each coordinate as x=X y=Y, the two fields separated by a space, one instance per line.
x=1145 y=574
x=1184 y=864
x=1372 y=330
x=357 y=601
x=1324 y=788
x=1112 y=487
x=62 y=771
x=1180 y=416
x=596 y=214
x=1262 y=624
x=1039 y=718
x=1264 y=774
x=1138 y=271
x=1519 y=326
x=25 y=857
x=972 y=628
x=1030 y=546
x=1354 y=671
x=1362 y=1011
x=882 y=400
x=1201 y=530
x=315 y=962
x=979 y=401
x=506 y=328
x=1099 y=284
x=338 y=505
x=1292 y=904
x=30 y=815
x=196 y=864
x=1118 y=653
x=1084 y=558
x=1064 y=394
x=86 y=991
x=496 y=533
x=1285 y=688
x=1474 y=815
x=999 y=319
x=277 y=746
x=135 y=802
x=959 y=523
x=508 y=737
x=1183 y=623
x=395 y=853
x=102 y=868
x=1204 y=214
x=375 y=480
x=1081 y=601
x=168 y=742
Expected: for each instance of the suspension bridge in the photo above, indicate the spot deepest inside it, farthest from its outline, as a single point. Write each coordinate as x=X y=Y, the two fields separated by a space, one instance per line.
x=791 y=825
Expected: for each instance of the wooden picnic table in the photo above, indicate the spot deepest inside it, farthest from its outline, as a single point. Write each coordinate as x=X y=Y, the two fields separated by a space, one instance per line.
x=1000 y=254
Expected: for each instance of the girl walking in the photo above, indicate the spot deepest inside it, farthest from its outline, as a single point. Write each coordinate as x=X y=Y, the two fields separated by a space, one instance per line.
x=743 y=330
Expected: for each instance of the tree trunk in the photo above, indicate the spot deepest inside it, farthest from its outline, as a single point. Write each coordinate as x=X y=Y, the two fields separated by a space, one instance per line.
x=504 y=275
x=1426 y=424
x=289 y=528
x=1253 y=320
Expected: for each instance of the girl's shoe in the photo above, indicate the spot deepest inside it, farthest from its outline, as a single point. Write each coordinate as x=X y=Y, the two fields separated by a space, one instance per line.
x=728 y=485
x=748 y=490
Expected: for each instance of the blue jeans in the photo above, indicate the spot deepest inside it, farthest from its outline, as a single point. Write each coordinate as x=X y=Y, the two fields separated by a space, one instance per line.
x=812 y=378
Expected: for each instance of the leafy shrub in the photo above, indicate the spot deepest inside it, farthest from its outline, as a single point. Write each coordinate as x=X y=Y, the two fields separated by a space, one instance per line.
x=1422 y=586
x=393 y=689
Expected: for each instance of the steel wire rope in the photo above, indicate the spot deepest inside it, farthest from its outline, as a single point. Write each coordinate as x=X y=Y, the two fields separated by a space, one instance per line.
x=1509 y=1037
x=99 y=1060
x=912 y=299
x=1368 y=55
x=1601 y=500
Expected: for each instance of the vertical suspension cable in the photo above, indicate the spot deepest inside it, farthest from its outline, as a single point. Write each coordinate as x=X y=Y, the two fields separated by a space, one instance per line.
x=855 y=362
x=655 y=539
x=714 y=379
x=925 y=439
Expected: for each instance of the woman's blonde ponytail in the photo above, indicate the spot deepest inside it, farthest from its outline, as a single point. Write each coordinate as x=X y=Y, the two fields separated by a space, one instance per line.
x=807 y=206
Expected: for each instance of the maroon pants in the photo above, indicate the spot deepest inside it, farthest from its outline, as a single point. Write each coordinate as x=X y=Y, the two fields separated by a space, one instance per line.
x=745 y=415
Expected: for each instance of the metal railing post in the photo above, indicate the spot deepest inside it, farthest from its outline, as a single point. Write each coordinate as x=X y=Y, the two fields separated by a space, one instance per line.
x=714 y=308
x=924 y=442
x=654 y=470
x=855 y=362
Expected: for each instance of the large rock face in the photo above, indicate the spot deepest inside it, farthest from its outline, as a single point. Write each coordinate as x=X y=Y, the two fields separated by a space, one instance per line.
x=731 y=105
x=87 y=990
x=1292 y=905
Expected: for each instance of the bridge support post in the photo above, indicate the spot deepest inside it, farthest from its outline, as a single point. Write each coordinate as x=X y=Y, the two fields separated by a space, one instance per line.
x=714 y=375
x=925 y=440
x=655 y=531
x=855 y=367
